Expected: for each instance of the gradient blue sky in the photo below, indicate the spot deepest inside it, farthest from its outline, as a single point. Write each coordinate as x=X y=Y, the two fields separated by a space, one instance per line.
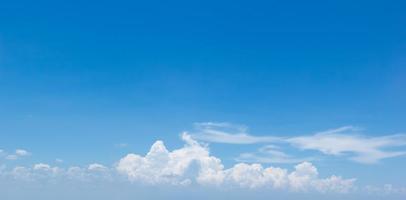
x=79 y=78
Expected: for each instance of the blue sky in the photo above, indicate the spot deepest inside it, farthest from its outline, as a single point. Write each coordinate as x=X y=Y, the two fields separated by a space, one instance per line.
x=269 y=82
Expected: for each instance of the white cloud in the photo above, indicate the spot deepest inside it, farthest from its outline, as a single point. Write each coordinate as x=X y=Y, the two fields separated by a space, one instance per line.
x=385 y=189
x=38 y=172
x=11 y=157
x=269 y=154
x=97 y=167
x=176 y=167
x=21 y=173
x=300 y=178
x=121 y=145
x=18 y=153
x=228 y=133
x=47 y=173
x=42 y=166
x=334 y=184
x=92 y=172
x=193 y=164
x=346 y=142
x=255 y=176
x=22 y=152
x=304 y=178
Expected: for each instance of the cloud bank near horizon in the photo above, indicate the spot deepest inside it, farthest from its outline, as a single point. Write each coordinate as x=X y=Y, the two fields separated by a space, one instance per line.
x=193 y=165
x=190 y=165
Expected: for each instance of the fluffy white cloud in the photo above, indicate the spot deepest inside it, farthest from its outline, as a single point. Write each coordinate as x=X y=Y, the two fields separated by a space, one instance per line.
x=38 y=172
x=176 y=167
x=42 y=167
x=334 y=184
x=194 y=164
x=92 y=172
x=304 y=174
x=47 y=173
x=255 y=176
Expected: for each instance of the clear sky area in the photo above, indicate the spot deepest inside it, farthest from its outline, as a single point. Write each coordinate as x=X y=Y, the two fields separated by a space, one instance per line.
x=128 y=100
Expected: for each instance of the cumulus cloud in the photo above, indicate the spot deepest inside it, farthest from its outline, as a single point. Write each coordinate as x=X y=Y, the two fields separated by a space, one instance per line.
x=92 y=172
x=47 y=173
x=194 y=164
x=162 y=166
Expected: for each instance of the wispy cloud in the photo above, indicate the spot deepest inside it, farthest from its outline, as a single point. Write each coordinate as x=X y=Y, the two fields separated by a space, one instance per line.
x=270 y=154
x=347 y=141
x=121 y=145
x=385 y=189
x=228 y=133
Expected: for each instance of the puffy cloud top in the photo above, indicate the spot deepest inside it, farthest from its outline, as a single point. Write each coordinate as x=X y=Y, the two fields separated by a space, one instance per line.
x=193 y=164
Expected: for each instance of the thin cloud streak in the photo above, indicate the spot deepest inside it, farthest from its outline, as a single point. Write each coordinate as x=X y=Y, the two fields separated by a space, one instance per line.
x=345 y=141
x=228 y=133
x=270 y=154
